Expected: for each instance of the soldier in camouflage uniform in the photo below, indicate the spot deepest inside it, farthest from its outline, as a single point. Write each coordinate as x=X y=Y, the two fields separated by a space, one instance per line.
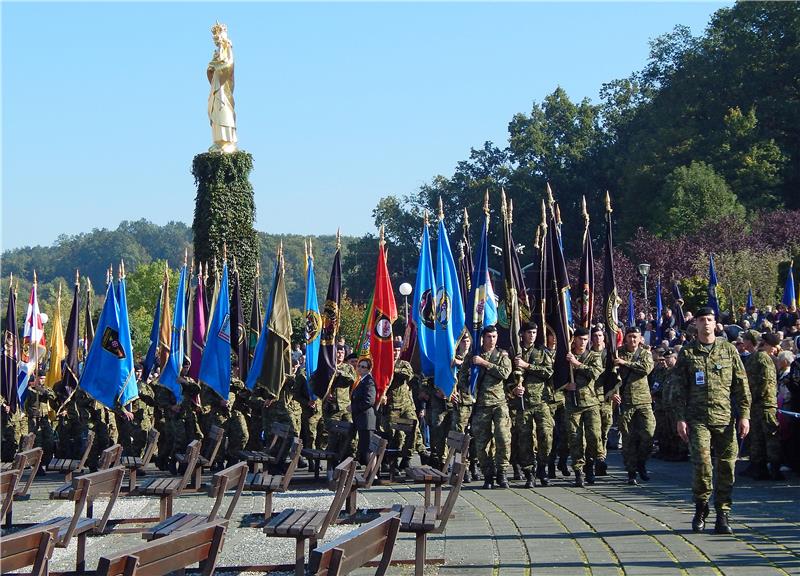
x=439 y=416
x=37 y=408
x=555 y=400
x=708 y=375
x=582 y=406
x=133 y=431
x=534 y=422
x=490 y=419
x=188 y=416
x=166 y=422
x=237 y=431
x=598 y=339
x=637 y=423
x=463 y=402
x=288 y=409
x=658 y=379
x=398 y=403
x=311 y=426
x=15 y=426
x=765 y=445
x=336 y=402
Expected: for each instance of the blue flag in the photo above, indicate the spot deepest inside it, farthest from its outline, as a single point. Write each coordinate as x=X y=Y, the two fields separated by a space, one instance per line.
x=659 y=309
x=150 y=359
x=713 y=301
x=215 y=366
x=261 y=345
x=631 y=310
x=423 y=311
x=172 y=369
x=449 y=314
x=313 y=325
x=482 y=306
x=108 y=374
x=789 y=297
x=749 y=305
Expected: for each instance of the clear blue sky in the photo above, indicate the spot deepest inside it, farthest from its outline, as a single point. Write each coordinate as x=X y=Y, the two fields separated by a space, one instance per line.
x=104 y=105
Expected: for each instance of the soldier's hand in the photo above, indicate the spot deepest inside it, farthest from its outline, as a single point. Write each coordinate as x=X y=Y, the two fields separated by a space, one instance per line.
x=478 y=361
x=620 y=362
x=572 y=360
x=128 y=415
x=384 y=400
x=519 y=390
x=683 y=430
x=7 y=408
x=520 y=363
x=744 y=427
x=616 y=399
x=439 y=393
x=570 y=386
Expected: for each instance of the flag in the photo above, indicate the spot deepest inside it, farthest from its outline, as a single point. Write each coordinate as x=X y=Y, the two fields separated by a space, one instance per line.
x=253 y=331
x=331 y=315
x=165 y=326
x=789 y=297
x=33 y=343
x=71 y=339
x=680 y=318
x=511 y=299
x=88 y=325
x=383 y=316
x=750 y=305
x=631 y=310
x=8 y=386
x=713 y=301
x=313 y=322
x=151 y=357
x=482 y=306
x=273 y=360
x=199 y=327
x=55 y=370
x=108 y=372
x=659 y=309
x=567 y=291
x=130 y=389
x=214 y=293
x=586 y=275
x=172 y=370
x=238 y=329
x=215 y=365
x=611 y=302
x=465 y=263
x=535 y=282
x=449 y=312
x=424 y=311
x=557 y=318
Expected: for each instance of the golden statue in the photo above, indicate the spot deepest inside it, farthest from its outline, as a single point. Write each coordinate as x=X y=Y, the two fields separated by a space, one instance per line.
x=220 y=101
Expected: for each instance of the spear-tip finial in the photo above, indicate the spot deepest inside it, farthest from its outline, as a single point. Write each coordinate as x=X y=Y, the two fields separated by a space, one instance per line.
x=425 y=217
x=310 y=249
x=34 y=277
x=382 y=239
x=510 y=210
x=338 y=238
x=235 y=269
x=503 y=203
x=557 y=213
x=441 y=209
x=584 y=211
x=486 y=202
x=466 y=218
x=59 y=292
x=537 y=239
x=550 y=199
x=121 y=269
x=185 y=256
x=77 y=277
x=10 y=281
x=608 y=203
x=224 y=251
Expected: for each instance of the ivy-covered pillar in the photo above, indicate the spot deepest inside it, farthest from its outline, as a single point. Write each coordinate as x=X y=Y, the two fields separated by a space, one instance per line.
x=224 y=213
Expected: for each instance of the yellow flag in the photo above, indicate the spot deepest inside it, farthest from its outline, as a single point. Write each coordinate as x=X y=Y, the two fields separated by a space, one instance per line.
x=58 y=351
x=165 y=327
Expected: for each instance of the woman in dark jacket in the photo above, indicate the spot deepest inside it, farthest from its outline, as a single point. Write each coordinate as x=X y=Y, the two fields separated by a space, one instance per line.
x=363 y=408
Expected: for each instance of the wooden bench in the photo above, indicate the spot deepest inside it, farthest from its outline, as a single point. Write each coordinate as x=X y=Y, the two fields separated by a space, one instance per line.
x=32 y=549
x=89 y=487
x=340 y=434
x=108 y=459
x=274 y=455
x=356 y=548
x=135 y=464
x=208 y=454
x=424 y=520
x=167 y=489
x=409 y=427
x=311 y=525
x=271 y=483
x=457 y=444
x=70 y=466
x=174 y=553
x=365 y=478
x=23 y=460
x=8 y=485
x=232 y=478
x=25 y=443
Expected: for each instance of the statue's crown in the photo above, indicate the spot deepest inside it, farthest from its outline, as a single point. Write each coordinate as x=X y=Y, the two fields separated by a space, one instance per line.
x=218 y=28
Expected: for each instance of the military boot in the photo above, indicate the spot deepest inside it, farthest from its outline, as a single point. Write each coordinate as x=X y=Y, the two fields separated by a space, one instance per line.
x=601 y=468
x=578 y=479
x=700 y=515
x=467 y=476
x=589 y=471
x=529 y=482
x=775 y=472
x=562 y=466
x=551 y=470
x=476 y=473
x=488 y=478
x=643 y=472
x=541 y=475
x=632 y=479
x=517 y=471
x=721 y=526
x=502 y=481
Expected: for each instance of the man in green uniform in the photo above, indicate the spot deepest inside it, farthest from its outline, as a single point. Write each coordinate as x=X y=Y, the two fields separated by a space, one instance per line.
x=490 y=419
x=336 y=402
x=709 y=384
x=37 y=408
x=398 y=403
x=463 y=402
x=765 y=446
x=658 y=379
x=583 y=406
x=533 y=419
x=237 y=431
x=556 y=401
x=637 y=423
x=606 y=406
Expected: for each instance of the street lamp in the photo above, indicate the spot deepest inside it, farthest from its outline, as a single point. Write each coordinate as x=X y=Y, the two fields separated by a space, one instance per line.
x=644 y=270
x=405 y=291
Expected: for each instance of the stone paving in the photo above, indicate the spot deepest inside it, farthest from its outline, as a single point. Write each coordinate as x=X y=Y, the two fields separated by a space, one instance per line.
x=608 y=529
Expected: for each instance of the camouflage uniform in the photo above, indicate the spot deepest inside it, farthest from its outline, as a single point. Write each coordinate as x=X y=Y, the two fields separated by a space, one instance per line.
x=677 y=449
x=188 y=423
x=237 y=432
x=658 y=380
x=765 y=447
x=15 y=426
x=490 y=418
x=439 y=416
x=533 y=419
x=334 y=407
x=287 y=409
x=637 y=423
x=311 y=426
x=606 y=408
x=706 y=376
x=167 y=423
x=583 y=412
x=556 y=401
x=460 y=420
x=400 y=404
x=133 y=433
x=37 y=408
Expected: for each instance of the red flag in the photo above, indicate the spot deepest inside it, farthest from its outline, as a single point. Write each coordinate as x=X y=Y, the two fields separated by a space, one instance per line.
x=383 y=316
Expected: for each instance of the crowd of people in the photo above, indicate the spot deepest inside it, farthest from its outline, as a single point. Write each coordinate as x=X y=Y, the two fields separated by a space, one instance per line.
x=703 y=387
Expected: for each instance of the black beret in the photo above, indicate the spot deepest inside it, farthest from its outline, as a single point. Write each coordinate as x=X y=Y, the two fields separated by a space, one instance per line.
x=632 y=330
x=705 y=311
x=528 y=326
x=489 y=330
x=580 y=331
x=771 y=338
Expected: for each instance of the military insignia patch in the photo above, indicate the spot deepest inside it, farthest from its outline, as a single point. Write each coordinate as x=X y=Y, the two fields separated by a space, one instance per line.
x=330 y=323
x=111 y=342
x=426 y=309
x=225 y=330
x=443 y=307
x=383 y=327
x=313 y=325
